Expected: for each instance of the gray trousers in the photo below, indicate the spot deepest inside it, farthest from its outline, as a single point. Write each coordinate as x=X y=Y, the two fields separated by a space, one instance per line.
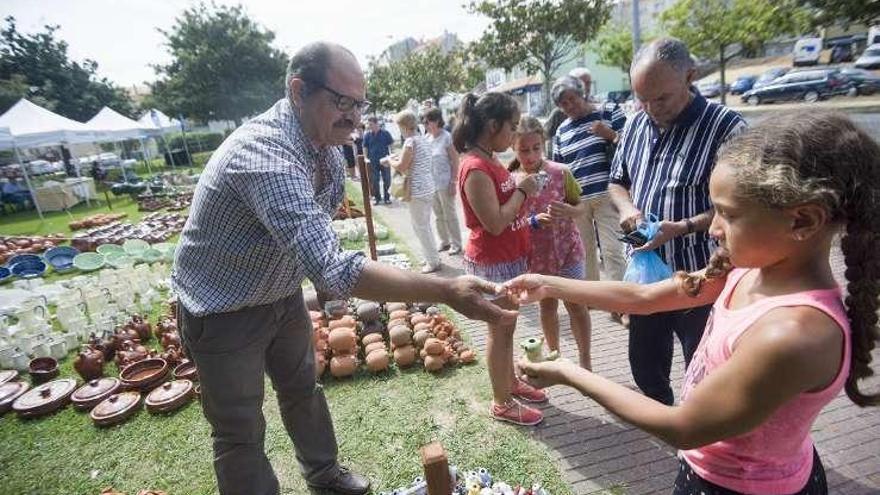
x=232 y=352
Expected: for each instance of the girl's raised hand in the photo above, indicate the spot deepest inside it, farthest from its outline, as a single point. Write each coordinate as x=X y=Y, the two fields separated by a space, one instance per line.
x=544 y=219
x=525 y=289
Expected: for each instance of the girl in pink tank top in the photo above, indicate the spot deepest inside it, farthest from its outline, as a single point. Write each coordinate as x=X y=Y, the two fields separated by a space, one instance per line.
x=781 y=342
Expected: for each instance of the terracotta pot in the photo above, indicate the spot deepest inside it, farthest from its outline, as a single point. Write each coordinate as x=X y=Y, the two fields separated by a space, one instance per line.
x=398 y=314
x=395 y=306
x=345 y=321
x=93 y=392
x=370 y=338
x=400 y=335
x=434 y=363
x=377 y=360
x=142 y=327
x=375 y=346
x=89 y=363
x=171 y=339
x=368 y=311
x=186 y=370
x=434 y=346
x=405 y=356
x=169 y=396
x=343 y=365
x=342 y=339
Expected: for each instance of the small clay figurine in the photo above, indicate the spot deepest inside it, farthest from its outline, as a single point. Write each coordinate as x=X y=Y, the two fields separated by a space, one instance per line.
x=533 y=347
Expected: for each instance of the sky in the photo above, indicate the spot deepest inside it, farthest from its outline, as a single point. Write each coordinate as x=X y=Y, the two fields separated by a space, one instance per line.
x=122 y=37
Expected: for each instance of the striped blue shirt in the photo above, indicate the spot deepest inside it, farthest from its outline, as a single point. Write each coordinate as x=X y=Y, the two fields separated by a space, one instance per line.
x=260 y=220
x=585 y=153
x=667 y=171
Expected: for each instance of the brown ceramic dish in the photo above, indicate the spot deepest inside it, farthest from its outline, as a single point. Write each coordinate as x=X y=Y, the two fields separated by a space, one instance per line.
x=116 y=408
x=170 y=396
x=43 y=369
x=45 y=398
x=144 y=375
x=186 y=370
x=10 y=391
x=93 y=392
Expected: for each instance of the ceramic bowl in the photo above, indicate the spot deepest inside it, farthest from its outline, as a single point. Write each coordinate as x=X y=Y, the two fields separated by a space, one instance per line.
x=107 y=249
x=61 y=258
x=43 y=369
x=29 y=268
x=89 y=261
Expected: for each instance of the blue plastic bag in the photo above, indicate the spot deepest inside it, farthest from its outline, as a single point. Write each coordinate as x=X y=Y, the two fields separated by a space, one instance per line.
x=646 y=267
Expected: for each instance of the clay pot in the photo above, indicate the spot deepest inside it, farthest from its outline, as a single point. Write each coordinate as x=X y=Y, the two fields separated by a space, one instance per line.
x=434 y=347
x=165 y=325
x=405 y=356
x=433 y=363
x=174 y=356
x=396 y=306
x=130 y=353
x=398 y=321
x=371 y=338
x=400 y=335
x=89 y=363
x=342 y=339
x=345 y=321
x=170 y=339
x=467 y=357
x=320 y=364
x=372 y=327
x=343 y=365
x=377 y=360
x=423 y=326
x=419 y=318
x=144 y=375
x=400 y=313
x=368 y=311
x=374 y=347
x=43 y=369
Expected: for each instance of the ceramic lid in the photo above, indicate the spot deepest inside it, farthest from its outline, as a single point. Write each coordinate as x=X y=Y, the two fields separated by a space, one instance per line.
x=10 y=391
x=45 y=398
x=94 y=392
x=116 y=408
x=169 y=396
x=7 y=376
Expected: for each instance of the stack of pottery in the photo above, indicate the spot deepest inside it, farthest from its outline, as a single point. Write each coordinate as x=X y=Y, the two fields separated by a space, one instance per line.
x=342 y=340
x=372 y=339
x=321 y=336
x=400 y=334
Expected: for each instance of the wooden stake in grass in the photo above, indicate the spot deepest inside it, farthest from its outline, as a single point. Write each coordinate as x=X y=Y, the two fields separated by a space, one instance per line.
x=368 y=210
x=436 y=467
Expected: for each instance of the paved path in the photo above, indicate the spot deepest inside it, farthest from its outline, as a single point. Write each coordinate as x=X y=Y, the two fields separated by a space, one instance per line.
x=597 y=452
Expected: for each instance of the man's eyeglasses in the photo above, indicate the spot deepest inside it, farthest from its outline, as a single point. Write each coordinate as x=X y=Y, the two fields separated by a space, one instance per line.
x=346 y=103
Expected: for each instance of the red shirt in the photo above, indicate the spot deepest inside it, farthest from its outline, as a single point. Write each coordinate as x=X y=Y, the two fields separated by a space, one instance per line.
x=483 y=247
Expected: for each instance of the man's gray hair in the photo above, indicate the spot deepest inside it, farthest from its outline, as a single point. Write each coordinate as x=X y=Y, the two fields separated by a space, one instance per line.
x=310 y=64
x=580 y=72
x=566 y=83
x=671 y=51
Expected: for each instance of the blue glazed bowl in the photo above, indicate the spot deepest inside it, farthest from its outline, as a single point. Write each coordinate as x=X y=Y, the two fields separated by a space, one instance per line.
x=28 y=268
x=61 y=258
x=18 y=258
x=5 y=275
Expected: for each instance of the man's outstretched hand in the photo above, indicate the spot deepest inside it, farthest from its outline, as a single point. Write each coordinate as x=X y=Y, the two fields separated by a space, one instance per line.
x=467 y=295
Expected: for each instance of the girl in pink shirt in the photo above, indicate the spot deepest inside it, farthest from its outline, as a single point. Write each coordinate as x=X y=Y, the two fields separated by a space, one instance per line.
x=781 y=342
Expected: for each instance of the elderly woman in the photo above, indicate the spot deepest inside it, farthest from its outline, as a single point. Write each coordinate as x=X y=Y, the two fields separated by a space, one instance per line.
x=415 y=162
x=583 y=141
x=444 y=164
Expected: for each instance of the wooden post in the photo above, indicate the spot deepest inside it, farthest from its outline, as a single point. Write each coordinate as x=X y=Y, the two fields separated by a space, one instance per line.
x=436 y=467
x=368 y=207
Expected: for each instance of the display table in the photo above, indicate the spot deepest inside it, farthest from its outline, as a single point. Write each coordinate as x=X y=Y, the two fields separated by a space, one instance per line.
x=55 y=196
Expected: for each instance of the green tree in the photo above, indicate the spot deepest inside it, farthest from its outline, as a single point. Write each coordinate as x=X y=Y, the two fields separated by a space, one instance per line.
x=720 y=30
x=614 y=47
x=425 y=74
x=223 y=66
x=538 y=35
x=830 y=12
x=37 y=67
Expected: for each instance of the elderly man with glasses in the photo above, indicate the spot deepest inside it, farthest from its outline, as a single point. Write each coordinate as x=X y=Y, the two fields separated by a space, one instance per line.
x=260 y=225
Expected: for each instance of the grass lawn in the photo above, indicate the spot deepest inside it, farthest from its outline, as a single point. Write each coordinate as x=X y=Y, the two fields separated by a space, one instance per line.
x=381 y=421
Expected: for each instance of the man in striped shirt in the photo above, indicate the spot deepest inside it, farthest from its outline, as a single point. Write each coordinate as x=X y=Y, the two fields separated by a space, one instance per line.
x=582 y=142
x=662 y=167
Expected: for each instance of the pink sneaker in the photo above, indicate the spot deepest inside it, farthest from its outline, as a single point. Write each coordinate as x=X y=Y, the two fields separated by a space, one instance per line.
x=528 y=393
x=516 y=413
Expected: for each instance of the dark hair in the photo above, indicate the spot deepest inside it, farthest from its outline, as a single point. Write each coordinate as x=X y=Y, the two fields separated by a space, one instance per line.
x=823 y=158
x=435 y=115
x=373 y=120
x=475 y=114
x=310 y=64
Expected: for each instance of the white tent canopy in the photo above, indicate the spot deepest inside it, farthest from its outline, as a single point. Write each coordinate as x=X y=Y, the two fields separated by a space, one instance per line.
x=156 y=120
x=6 y=141
x=116 y=127
x=32 y=125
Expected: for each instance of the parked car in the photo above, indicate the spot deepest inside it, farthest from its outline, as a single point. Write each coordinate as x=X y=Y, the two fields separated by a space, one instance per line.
x=870 y=58
x=709 y=89
x=769 y=76
x=742 y=84
x=807 y=85
x=807 y=51
x=865 y=82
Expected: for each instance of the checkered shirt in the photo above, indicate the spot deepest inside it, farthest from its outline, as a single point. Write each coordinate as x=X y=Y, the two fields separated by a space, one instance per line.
x=260 y=221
